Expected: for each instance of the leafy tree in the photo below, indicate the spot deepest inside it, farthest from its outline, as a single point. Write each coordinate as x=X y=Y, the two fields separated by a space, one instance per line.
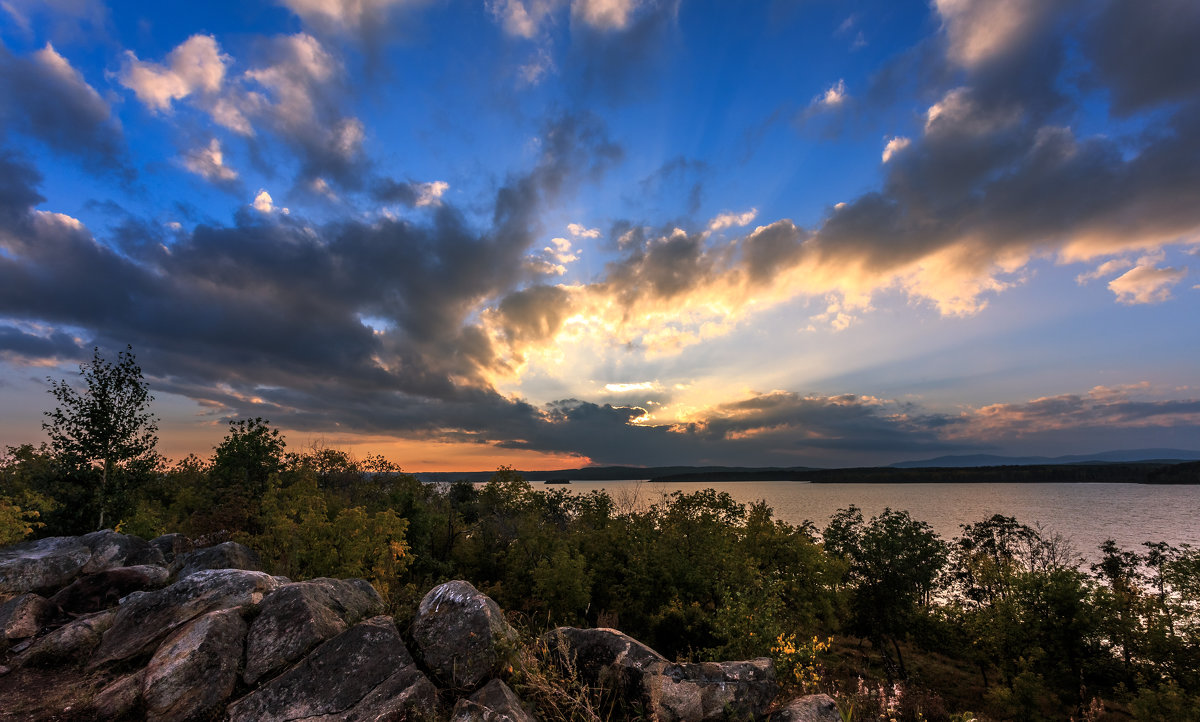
x=107 y=426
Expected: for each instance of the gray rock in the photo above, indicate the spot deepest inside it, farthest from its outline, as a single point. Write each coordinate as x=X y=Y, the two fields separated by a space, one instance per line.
x=172 y=546
x=494 y=702
x=296 y=617
x=145 y=618
x=24 y=616
x=365 y=672
x=111 y=550
x=194 y=671
x=229 y=555
x=604 y=658
x=462 y=635
x=810 y=708
x=43 y=565
x=71 y=642
x=120 y=698
x=630 y=672
x=102 y=590
x=712 y=690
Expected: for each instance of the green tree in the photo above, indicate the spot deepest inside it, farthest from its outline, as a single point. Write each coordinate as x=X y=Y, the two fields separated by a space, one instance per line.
x=107 y=426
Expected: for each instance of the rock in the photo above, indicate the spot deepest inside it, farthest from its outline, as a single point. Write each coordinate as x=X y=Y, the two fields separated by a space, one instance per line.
x=364 y=673
x=229 y=555
x=102 y=590
x=494 y=702
x=405 y=695
x=172 y=546
x=194 y=671
x=71 y=642
x=604 y=658
x=630 y=672
x=111 y=550
x=462 y=635
x=810 y=708
x=41 y=565
x=297 y=617
x=145 y=618
x=712 y=690
x=119 y=699
x=24 y=616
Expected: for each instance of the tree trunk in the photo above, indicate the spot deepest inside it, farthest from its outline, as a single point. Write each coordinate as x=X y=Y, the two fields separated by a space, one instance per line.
x=103 y=493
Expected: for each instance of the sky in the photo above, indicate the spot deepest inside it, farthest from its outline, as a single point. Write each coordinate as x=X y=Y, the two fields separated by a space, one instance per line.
x=553 y=233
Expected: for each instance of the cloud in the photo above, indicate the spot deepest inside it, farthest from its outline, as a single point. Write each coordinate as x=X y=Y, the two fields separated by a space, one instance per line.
x=1146 y=284
x=1100 y=408
x=1145 y=55
x=834 y=96
x=195 y=66
x=45 y=97
x=265 y=316
x=609 y=15
x=523 y=18
x=344 y=15
x=980 y=31
x=580 y=231
x=894 y=145
x=410 y=193
x=208 y=162
x=729 y=220
x=1104 y=269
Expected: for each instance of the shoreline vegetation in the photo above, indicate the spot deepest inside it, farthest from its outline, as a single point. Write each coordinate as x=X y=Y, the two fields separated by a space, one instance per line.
x=1003 y=621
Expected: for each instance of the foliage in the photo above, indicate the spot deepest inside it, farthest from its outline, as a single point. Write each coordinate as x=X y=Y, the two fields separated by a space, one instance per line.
x=106 y=426
x=797 y=663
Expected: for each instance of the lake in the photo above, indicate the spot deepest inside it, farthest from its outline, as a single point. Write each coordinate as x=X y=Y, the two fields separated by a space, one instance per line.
x=1085 y=513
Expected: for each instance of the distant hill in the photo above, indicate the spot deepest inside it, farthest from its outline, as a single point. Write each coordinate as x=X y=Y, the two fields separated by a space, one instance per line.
x=1113 y=457
x=609 y=473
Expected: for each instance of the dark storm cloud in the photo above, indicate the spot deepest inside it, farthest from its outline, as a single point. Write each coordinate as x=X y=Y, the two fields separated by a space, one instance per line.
x=1146 y=53
x=768 y=429
x=42 y=96
x=365 y=325
x=16 y=343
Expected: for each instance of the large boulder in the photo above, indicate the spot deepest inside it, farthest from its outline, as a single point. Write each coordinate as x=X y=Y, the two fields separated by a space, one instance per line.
x=102 y=590
x=24 y=616
x=111 y=550
x=145 y=618
x=71 y=642
x=43 y=565
x=297 y=617
x=194 y=671
x=630 y=673
x=605 y=658
x=493 y=702
x=363 y=673
x=810 y=708
x=229 y=555
x=462 y=635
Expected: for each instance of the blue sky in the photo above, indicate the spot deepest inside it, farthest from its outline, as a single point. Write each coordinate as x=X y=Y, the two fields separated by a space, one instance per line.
x=548 y=233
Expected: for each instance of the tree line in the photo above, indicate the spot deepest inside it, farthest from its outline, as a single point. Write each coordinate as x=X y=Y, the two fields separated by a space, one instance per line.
x=1004 y=619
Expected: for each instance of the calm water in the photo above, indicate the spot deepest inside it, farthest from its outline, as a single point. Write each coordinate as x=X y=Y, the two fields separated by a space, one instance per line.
x=1086 y=513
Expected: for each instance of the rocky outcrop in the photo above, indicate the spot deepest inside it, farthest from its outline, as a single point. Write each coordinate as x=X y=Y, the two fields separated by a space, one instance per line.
x=461 y=635
x=194 y=671
x=145 y=618
x=229 y=555
x=42 y=565
x=365 y=672
x=239 y=644
x=810 y=708
x=298 y=616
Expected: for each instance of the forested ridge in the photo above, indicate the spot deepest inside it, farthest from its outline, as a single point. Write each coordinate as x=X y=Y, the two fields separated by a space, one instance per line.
x=1001 y=622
